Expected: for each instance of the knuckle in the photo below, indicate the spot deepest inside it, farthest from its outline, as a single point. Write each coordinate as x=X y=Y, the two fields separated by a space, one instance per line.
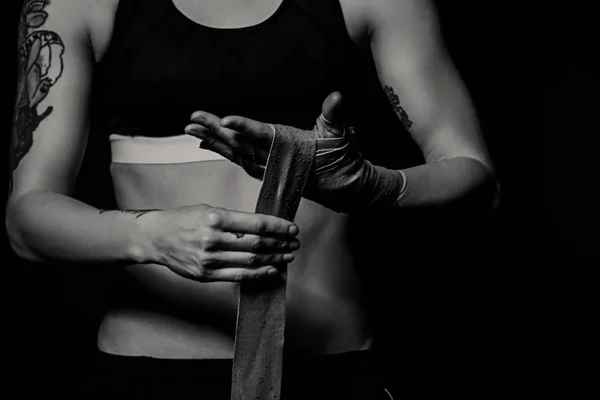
x=255 y=275
x=256 y=243
x=208 y=241
x=202 y=272
x=206 y=260
x=233 y=140
x=198 y=273
x=234 y=136
x=238 y=276
x=260 y=225
x=253 y=259
x=213 y=219
x=204 y=275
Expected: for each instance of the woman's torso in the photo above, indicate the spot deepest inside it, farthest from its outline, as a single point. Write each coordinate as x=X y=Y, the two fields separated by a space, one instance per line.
x=161 y=60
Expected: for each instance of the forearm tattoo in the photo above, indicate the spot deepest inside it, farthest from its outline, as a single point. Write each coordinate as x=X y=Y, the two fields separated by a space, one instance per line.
x=395 y=102
x=40 y=65
x=135 y=213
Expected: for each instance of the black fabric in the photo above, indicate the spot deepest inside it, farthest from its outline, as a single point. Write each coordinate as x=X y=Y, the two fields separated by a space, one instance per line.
x=348 y=376
x=161 y=66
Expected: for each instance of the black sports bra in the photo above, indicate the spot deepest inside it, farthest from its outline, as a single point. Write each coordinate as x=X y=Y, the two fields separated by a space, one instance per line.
x=161 y=66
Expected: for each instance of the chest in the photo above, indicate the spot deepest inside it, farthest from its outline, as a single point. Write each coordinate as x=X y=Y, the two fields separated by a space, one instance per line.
x=278 y=69
x=227 y=14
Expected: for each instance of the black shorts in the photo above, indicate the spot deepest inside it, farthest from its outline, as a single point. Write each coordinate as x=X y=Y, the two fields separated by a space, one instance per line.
x=347 y=376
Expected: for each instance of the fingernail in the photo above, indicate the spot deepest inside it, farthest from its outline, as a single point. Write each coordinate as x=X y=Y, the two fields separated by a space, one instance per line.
x=288 y=257
x=293 y=230
x=294 y=245
x=272 y=272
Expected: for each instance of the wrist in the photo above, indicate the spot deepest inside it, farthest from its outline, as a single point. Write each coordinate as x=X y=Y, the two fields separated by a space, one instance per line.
x=387 y=188
x=404 y=189
x=140 y=247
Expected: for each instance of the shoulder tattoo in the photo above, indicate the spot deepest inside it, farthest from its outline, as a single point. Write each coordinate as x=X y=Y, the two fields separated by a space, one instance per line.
x=40 y=65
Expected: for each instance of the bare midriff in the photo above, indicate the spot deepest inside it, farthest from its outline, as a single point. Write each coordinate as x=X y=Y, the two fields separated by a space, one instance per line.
x=325 y=312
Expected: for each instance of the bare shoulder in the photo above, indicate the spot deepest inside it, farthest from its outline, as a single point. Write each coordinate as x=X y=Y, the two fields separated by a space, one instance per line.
x=88 y=21
x=365 y=18
x=101 y=16
x=57 y=41
x=65 y=15
x=357 y=16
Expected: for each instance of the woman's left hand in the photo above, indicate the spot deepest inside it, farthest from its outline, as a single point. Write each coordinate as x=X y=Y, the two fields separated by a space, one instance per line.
x=241 y=140
x=244 y=141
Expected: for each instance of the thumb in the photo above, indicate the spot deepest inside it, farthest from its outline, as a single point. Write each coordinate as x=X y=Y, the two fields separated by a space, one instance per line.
x=332 y=108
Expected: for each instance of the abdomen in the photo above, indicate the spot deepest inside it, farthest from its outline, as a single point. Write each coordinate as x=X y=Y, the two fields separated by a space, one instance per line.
x=324 y=295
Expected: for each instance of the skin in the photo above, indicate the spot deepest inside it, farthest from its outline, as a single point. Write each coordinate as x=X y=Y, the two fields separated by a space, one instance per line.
x=190 y=237
x=423 y=88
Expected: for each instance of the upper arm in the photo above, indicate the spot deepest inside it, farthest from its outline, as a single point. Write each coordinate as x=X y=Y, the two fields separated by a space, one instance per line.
x=50 y=122
x=421 y=81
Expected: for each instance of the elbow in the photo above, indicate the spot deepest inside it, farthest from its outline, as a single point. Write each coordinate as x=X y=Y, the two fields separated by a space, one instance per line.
x=17 y=238
x=484 y=192
x=488 y=189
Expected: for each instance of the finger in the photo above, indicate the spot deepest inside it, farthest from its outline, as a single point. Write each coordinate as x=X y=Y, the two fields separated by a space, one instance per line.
x=243 y=274
x=213 y=128
x=209 y=140
x=206 y=119
x=255 y=133
x=220 y=148
x=251 y=130
x=254 y=243
x=332 y=108
x=226 y=259
x=244 y=222
x=201 y=132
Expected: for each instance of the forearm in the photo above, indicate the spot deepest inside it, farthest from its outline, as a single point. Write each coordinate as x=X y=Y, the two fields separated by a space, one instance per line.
x=48 y=226
x=458 y=181
x=344 y=181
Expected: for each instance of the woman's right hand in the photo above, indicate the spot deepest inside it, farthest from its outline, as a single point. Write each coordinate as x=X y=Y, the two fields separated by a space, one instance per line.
x=210 y=244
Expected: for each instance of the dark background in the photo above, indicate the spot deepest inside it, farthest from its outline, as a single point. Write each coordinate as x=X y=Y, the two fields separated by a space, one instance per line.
x=488 y=328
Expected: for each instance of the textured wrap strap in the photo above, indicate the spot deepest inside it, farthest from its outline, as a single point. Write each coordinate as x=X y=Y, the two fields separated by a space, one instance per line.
x=258 y=349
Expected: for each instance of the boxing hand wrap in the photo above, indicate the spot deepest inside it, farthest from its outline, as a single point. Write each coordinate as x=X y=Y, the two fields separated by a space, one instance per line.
x=341 y=179
x=258 y=346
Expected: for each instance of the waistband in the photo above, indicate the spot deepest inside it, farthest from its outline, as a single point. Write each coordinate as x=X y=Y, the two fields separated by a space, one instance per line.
x=355 y=359
x=177 y=149
x=348 y=376
x=330 y=364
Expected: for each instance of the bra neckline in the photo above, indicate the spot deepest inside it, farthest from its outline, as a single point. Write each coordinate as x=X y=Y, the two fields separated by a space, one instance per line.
x=235 y=30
